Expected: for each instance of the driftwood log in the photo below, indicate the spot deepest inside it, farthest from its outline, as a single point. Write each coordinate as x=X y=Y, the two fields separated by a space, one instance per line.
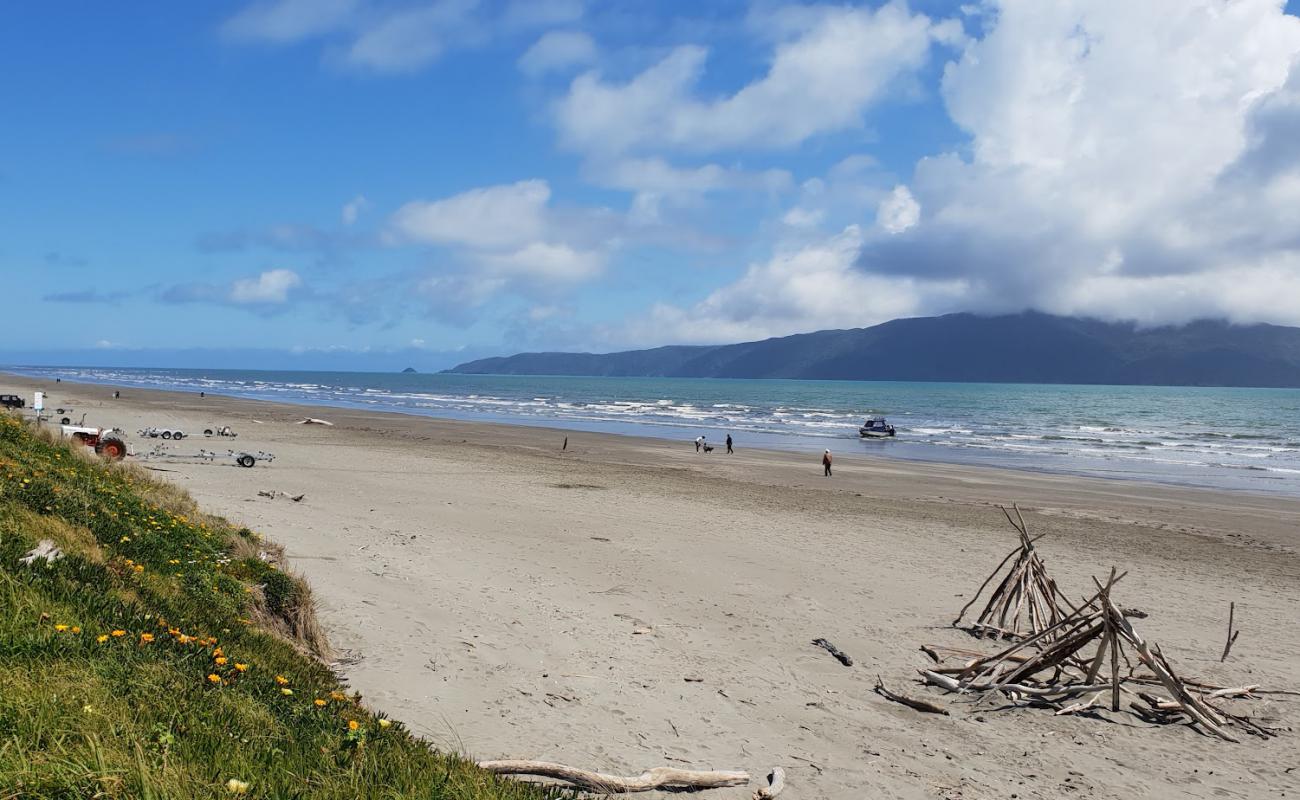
x=650 y=780
x=839 y=654
x=910 y=702
x=775 y=783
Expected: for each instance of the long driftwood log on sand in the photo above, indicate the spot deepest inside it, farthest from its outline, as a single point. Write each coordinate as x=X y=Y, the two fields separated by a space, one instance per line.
x=651 y=779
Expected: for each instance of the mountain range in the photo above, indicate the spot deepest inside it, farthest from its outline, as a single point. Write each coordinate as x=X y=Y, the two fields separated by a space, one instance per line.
x=1030 y=347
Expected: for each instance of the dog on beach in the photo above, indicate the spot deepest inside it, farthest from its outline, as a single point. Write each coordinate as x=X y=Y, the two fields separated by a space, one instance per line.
x=708 y=448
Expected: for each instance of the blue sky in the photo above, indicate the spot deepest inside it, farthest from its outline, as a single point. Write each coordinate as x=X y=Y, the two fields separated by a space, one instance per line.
x=357 y=183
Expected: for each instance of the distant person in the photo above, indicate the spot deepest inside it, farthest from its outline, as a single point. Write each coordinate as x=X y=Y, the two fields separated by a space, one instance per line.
x=116 y=394
x=729 y=450
x=699 y=442
x=202 y=394
x=826 y=462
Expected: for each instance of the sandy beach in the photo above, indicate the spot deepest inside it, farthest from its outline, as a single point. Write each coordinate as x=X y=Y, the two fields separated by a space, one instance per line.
x=627 y=603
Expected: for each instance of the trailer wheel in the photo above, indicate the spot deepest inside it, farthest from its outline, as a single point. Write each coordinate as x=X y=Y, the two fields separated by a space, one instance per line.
x=66 y=421
x=112 y=448
x=207 y=431
x=60 y=410
x=246 y=460
x=178 y=435
x=166 y=434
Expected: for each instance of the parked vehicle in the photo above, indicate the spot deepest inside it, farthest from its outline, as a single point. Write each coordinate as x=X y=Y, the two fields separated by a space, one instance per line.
x=105 y=441
x=12 y=401
x=220 y=430
x=162 y=433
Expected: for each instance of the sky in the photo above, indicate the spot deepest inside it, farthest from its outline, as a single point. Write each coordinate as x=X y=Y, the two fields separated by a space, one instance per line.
x=374 y=183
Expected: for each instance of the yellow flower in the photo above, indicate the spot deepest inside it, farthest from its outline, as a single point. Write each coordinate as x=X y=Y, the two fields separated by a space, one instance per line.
x=76 y=629
x=119 y=633
x=235 y=786
x=240 y=667
x=103 y=637
x=280 y=679
x=338 y=696
x=384 y=723
x=220 y=660
x=138 y=568
x=146 y=638
x=60 y=628
x=318 y=702
x=353 y=725
x=214 y=678
x=287 y=692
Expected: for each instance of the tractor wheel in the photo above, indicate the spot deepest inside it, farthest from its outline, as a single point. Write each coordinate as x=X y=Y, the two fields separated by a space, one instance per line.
x=167 y=434
x=66 y=421
x=112 y=448
x=246 y=460
x=207 y=431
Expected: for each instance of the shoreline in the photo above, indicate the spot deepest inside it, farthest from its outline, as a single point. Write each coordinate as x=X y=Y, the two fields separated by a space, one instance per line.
x=509 y=598
x=768 y=442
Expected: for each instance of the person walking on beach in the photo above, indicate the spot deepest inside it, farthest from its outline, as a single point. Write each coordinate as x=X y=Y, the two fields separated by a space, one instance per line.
x=826 y=462
x=729 y=450
x=699 y=442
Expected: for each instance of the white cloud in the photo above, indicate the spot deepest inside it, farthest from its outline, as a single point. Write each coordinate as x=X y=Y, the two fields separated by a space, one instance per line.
x=495 y=217
x=549 y=262
x=542 y=13
x=412 y=38
x=1126 y=161
x=558 y=51
x=898 y=211
x=352 y=209
x=801 y=289
x=799 y=217
x=270 y=288
x=288 y=21
x=836 y=63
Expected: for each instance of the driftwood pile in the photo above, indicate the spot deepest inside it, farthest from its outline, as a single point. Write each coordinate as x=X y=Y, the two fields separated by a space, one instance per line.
x=1061 y=654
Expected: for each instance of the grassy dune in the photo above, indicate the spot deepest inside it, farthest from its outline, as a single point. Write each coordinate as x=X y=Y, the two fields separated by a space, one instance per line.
x=165 y=654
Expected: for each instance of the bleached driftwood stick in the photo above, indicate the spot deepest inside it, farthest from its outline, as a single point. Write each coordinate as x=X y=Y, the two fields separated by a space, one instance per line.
x=651 y=779
x=910 y=702
x=1236 y=691
x=1075 y=708
x=45 y=550
x=775 y=783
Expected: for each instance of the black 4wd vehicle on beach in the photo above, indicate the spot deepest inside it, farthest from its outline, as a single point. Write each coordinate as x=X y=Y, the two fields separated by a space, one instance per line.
x=12 y=401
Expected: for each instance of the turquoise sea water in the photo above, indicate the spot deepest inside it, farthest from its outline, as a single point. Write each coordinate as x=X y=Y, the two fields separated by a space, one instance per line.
x=1228 y=438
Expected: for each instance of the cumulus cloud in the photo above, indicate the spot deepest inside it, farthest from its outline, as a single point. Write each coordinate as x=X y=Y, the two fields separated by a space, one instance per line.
x=272 y=286
x=898 y=211
x=267 y=290
x=491 y=217
x=547 y=262
x=288 y=21
x=412 y=38
x=801 y=289
x=558 y=51
x=835 y=63
x=1134 y=162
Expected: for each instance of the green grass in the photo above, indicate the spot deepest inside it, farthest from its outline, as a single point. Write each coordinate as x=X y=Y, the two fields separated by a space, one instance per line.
x=120 y=663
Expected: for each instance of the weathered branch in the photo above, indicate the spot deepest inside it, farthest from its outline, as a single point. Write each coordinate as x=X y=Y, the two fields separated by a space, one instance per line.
x=650 y=780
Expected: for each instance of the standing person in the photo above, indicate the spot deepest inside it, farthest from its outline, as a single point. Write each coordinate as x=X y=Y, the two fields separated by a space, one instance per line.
x=826 y=462
x=699 y=442
x=729 y=450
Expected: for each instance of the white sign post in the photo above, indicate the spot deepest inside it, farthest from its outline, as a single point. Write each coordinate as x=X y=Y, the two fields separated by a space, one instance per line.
x=38 y=402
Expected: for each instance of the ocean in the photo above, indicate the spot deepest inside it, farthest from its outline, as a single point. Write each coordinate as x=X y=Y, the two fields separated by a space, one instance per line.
x=1244 y=439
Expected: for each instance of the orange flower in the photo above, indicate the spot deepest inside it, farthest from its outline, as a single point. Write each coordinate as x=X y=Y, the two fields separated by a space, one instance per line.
x=214 y=678
x=76 y=629
x=146 y=638
x=119 y=633
x=240 y=667
x=353 y=725
x=280 y=679
x=220 y=660
x=318 y=702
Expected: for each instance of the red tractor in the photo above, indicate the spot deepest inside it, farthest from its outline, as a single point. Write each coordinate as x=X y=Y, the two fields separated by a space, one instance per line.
x=106 y=441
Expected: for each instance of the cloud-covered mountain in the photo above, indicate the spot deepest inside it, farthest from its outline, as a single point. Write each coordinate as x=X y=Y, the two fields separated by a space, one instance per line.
x=1020 y=348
